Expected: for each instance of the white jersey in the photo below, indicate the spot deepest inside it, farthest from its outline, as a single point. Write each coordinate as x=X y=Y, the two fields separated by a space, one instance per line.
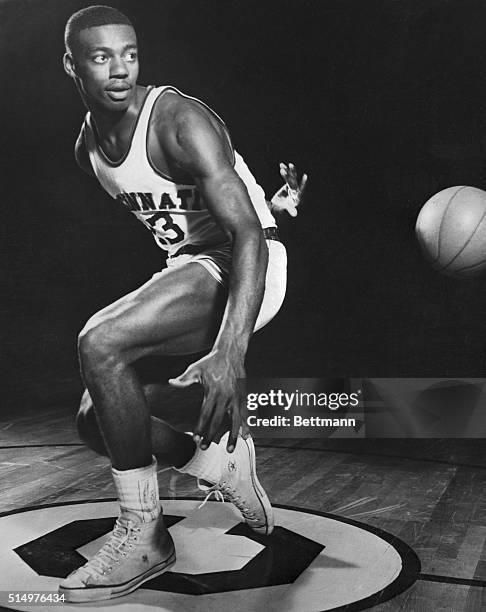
x=174 y=212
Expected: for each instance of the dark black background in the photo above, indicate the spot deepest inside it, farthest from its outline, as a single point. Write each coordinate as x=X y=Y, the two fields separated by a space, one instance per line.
x=380 y=101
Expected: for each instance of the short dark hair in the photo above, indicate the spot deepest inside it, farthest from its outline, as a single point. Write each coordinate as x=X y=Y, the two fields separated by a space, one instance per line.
x=92 y=17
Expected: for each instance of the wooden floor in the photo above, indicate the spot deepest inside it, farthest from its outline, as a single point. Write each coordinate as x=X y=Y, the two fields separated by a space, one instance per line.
x=429 y=493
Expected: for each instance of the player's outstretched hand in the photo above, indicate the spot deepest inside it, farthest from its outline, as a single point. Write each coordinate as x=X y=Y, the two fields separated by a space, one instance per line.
x=290 y=195
x=222 y=395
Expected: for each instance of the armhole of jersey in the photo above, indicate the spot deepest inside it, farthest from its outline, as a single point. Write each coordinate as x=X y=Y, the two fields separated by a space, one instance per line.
x=217 y=117
x=84 y=138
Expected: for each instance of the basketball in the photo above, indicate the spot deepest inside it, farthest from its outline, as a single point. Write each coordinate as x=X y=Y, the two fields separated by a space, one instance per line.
x=451 y=229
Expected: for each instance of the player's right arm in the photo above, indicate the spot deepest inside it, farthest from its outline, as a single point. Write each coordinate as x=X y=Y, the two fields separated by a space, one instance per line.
x=81 y=154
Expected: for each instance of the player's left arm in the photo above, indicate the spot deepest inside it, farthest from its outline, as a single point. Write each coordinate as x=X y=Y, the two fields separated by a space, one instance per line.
x=199 y=150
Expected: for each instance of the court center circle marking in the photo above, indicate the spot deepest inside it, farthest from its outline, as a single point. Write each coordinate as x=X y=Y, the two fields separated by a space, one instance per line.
x=313 y=562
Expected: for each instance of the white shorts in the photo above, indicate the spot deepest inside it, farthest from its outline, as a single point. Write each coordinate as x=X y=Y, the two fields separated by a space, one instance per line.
x=217 y=261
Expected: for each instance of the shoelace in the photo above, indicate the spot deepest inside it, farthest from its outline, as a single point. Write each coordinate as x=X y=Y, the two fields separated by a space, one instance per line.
x=110 y=552
x=217 y=494
x=223 y=491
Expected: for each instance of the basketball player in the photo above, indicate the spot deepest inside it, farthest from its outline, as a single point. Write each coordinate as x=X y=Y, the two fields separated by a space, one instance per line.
x=169 y=159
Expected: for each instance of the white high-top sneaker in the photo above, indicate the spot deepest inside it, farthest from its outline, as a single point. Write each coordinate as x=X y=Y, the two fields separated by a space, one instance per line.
x=239 y=485
x=134 y=553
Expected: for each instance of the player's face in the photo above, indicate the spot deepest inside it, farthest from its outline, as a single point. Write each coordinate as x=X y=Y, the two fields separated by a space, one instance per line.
x=106 y=66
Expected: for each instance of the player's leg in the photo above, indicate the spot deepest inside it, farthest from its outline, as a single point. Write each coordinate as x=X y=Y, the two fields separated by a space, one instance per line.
x=177 y=312
x=136 y=316
x=170 y=445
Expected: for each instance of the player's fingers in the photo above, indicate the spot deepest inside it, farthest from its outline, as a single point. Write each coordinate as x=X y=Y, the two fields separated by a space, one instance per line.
x=292 y=177
x=189 y=377
x=214 y=423
x=245 y=430
x=244 y=427
x=204 y=418
x=235 y=428
x=303 y=182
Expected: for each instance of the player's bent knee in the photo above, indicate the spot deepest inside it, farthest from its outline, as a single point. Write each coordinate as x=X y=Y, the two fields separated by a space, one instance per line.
x=98 y=344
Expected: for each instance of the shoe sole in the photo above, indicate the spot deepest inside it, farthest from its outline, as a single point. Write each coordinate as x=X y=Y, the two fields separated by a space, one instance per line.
x=84 y=594
x=260 y=492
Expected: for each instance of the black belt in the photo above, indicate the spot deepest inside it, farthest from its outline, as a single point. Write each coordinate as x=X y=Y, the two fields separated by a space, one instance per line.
x=269 y=233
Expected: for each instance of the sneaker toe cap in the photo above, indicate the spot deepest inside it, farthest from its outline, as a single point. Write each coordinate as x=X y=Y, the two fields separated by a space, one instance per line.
x=73 y=581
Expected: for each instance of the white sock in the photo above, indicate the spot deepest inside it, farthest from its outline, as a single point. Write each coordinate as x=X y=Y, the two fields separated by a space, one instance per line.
x=205 y=464
x=138 y=491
